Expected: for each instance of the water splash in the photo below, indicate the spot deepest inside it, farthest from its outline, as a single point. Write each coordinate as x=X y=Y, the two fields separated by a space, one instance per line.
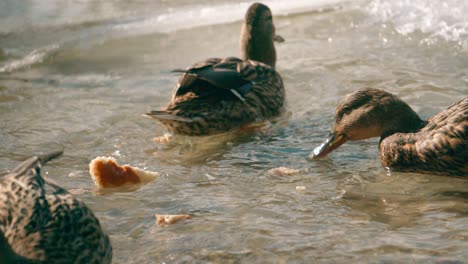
x=389 y=172
x=89 y=26
x=195 y=16
x=34 y=57
x=444 y=20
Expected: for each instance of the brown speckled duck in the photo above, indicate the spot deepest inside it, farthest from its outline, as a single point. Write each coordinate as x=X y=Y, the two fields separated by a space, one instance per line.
x=407 y=143
x=42 y=223
x=218 y=95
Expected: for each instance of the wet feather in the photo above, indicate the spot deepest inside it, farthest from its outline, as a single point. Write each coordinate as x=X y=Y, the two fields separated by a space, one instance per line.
x=41 y=222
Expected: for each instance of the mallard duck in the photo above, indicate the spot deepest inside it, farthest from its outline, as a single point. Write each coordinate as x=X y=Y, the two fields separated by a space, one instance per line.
x=218 y=95
x=407 y=143
x=42 y=223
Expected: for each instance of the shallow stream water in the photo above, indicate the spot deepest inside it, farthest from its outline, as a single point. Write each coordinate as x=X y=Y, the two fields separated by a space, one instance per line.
x=80 y=74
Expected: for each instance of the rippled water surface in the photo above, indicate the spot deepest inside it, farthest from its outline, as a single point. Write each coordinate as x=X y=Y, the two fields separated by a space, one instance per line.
x=79 y=75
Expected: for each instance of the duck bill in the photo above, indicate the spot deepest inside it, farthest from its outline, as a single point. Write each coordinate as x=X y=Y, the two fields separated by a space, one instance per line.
x=332 y=142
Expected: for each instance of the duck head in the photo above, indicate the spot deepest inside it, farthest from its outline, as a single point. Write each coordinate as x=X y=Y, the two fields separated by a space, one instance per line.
x=258 y=34
x=366 y=114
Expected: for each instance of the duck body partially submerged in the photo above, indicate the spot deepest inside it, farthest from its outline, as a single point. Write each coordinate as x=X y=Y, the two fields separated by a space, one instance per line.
x=42 y=223
x=220 y=94
x=437 y=146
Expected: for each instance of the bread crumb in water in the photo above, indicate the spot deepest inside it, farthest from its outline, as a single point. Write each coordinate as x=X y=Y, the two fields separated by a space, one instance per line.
x=164 y=220
x=283 y=171
x=107 y=173
x=300 y=188
x=166 y=138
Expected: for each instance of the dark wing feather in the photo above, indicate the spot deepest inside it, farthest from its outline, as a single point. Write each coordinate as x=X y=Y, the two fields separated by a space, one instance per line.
x=221 y=75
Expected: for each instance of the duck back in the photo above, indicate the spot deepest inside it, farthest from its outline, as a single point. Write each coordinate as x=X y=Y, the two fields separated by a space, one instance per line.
x=43 y=223
x=219 y=95
x=440 y=147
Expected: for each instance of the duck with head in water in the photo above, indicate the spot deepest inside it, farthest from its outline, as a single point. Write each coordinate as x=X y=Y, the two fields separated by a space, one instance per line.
x=437 y=146
x=219 y=95
x=42 y=223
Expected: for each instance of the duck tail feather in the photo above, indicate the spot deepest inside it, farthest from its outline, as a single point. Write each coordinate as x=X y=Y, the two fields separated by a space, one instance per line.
x=179 y=71
x=36 y=162
x=44 y=158
x=163 y=115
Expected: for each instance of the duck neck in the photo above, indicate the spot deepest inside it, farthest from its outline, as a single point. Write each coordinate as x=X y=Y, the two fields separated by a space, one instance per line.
x=404 y=120
x=257 y=46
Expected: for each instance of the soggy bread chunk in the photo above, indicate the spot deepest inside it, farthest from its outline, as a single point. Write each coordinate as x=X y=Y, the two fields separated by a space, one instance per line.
x=283 y=171
x=106 y=173
x=163 y=220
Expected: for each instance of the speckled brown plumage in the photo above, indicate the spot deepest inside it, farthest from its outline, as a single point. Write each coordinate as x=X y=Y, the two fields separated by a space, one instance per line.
x=407 y=143
x=43 y=223
x=218 y=95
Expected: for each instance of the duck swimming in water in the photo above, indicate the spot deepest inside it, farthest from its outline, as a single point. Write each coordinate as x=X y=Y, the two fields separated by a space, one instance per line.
x=218 y=95
x=42 y=223
x=407 y=143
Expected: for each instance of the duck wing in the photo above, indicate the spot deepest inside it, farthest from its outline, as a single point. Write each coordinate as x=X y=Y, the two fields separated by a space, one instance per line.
x=446 y=141
x=440 y=147
x=221 y=75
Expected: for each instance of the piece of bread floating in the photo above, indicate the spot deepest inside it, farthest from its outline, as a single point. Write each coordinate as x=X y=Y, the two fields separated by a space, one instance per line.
x=301 y=188
x=164 y=139
x=283 y=171
x=106 y=173
x=164 y=220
